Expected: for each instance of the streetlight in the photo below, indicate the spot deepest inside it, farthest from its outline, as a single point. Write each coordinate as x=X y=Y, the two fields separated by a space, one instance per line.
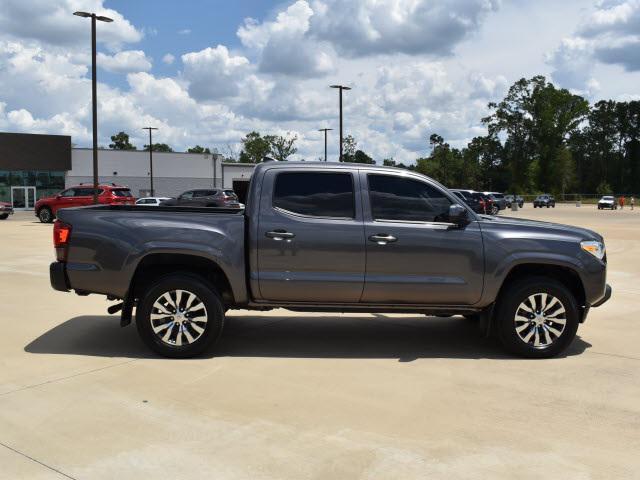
x=94 y=97
x=341 y=88
x=325 y=130
x=150 y=156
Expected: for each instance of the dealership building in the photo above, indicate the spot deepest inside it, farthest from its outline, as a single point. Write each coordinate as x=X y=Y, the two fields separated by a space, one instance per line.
x=35 y=166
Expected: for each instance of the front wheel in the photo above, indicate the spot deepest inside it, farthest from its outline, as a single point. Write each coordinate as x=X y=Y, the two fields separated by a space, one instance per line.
x=4 y=216
x=180 y=316
x=494 y=210
x=537 y=317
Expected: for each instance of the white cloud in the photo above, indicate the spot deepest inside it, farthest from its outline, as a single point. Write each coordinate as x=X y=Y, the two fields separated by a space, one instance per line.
x=168 y=59
x=124 y=62
x=54 y=23
x=398 y=26
x=283 y=46
x=214 y=73
x=184 y=31
x=610 y=34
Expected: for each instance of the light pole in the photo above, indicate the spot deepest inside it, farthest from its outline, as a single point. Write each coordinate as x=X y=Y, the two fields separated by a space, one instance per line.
x=325 y=130
x=150 y=157
x=94 y=97
x=340 y=88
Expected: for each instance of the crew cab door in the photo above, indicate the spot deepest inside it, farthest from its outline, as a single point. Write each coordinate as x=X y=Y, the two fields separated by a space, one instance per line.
x=414 y=255
x=310 y=236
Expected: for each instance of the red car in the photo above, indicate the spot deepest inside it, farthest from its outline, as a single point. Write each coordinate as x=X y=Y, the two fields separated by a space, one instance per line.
x=5 y=210
x=79 y=196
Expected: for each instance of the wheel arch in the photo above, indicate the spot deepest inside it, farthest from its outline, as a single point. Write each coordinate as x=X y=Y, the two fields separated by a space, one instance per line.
x=156 y=265
x=564 y=274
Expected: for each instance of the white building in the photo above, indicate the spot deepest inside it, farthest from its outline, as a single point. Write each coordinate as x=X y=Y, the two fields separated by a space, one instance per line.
x=173 y=173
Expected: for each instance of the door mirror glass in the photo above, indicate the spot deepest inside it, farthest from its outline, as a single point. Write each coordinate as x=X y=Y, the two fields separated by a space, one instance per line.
x=458 y=215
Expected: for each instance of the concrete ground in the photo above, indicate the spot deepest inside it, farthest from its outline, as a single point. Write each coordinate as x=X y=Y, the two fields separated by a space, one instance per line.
x=313 y=396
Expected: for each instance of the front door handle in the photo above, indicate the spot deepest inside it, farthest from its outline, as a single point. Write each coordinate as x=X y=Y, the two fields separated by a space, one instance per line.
x=382 y=238
x=280 y=235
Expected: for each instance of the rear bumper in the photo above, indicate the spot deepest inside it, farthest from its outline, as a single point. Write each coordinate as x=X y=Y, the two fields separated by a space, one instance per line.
x=607 y=296
x=58 y=276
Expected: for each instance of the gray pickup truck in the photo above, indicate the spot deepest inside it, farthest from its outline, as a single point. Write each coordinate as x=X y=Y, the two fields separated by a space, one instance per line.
x=338 y=238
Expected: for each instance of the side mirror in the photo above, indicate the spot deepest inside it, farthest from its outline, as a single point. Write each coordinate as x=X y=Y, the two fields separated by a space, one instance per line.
x=458 y=215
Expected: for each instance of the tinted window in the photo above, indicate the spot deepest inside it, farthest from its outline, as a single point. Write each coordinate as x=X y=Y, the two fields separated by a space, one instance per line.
x=84 y=192
x=68 y=193
x=122 y=192
x=187 y=195
x=396 y=198
x=230 y=193
x=498 y=195
x=316 y=194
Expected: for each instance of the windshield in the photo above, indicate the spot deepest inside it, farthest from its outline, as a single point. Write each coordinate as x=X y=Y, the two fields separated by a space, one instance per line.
x=607 y=198
x=497 y=195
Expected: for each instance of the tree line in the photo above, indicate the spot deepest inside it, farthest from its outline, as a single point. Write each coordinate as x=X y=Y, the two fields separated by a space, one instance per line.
x=540 y=138
x=544 y=139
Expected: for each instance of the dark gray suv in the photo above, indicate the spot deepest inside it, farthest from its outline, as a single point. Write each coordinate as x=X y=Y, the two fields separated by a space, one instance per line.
x=205 y=198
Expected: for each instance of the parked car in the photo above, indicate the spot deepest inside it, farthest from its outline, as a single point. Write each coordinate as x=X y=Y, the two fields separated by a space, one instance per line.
x=544 y=201
x=152 y=201
x=498 y=199
x=608 y=201
x=6 y=209
x=205 y=198
x=345 y=237
x=46 y=209
x=509 y=199
x=478 y=202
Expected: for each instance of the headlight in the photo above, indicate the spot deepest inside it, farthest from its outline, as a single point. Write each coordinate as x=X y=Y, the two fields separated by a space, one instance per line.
x=594 y=248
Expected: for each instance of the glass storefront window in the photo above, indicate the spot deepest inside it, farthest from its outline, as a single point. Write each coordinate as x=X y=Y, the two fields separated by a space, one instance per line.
x=46 y=182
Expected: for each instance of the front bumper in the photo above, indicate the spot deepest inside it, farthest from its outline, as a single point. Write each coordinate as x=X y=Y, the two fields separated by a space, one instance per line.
x=58 y=276
x=5 y=211
x=606 y=296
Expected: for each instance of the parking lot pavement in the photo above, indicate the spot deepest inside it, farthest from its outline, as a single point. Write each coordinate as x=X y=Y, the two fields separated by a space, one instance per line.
x=319 y=396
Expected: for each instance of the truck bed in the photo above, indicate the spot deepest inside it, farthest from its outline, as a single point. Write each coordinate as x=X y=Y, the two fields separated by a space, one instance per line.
x=109 y=242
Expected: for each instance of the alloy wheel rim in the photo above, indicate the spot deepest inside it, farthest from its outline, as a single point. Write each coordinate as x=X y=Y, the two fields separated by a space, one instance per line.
x=44 y=215
x=540 y=320
x=178 y=317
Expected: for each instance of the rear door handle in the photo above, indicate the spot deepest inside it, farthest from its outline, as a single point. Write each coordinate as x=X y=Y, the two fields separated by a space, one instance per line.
x=280 y=235
x=382 y=238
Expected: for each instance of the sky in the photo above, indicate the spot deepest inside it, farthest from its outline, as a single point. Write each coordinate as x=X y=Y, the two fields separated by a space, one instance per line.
x=209 y=72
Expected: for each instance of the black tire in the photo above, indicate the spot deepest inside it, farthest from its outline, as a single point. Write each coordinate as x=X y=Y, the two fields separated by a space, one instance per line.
x=548 y=206
x=205 y=293
x=494 y=210
x=472 y=317
x=45 y=215
x=4 y=216
x=508 y=307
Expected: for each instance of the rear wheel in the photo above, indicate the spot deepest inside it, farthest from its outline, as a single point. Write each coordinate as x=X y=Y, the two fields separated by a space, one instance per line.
x=45 y=215
x=537 y=317
x=180 y=316
x=494 y=210
x=4 y=216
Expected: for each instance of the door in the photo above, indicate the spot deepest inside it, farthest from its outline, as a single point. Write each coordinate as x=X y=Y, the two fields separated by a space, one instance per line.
x=414 y=255
x=186 y=199
x=23 y=198
x=310 y=237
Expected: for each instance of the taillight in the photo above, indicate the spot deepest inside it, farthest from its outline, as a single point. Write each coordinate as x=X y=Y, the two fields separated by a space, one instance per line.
x=61 y=235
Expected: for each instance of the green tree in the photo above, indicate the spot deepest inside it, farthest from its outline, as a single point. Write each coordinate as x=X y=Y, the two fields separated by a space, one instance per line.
x=282 y=147
x=121 y=142
x=538 y=120
x=361 y=157
x=159 y=147
x=349 y=147
x=198 y=149
x=254 y=148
